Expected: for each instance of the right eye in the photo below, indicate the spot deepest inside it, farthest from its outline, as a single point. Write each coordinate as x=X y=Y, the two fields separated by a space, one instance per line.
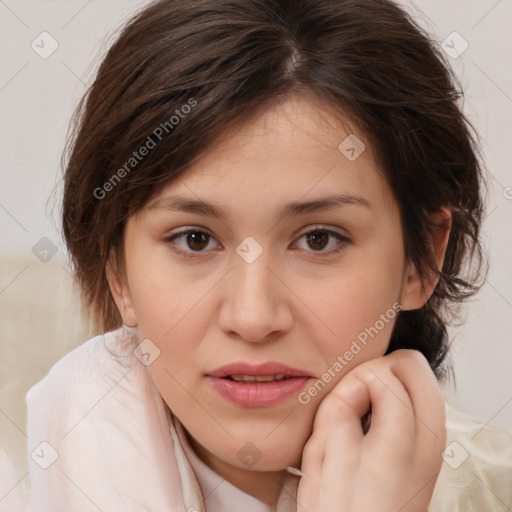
x=192 y=241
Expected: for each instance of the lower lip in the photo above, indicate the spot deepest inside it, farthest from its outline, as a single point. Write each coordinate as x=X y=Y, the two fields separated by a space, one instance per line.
x=260 y=394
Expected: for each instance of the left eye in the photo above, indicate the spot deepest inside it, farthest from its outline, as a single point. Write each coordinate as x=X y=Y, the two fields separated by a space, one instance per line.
x=322 y=240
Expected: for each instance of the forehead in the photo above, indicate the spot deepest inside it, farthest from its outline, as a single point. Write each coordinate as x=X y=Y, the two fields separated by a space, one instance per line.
x=293 y=148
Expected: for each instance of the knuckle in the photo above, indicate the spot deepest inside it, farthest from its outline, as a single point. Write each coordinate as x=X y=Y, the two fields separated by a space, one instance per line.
x=405 y=359
x=410 y=356
x=341 y=403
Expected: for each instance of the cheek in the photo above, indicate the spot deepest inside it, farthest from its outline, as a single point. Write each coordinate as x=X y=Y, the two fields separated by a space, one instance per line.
x=359 y=306
x=166 y=299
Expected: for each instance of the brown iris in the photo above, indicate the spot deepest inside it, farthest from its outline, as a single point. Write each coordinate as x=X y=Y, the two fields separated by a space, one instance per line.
x=318 y=239
x=197 y=240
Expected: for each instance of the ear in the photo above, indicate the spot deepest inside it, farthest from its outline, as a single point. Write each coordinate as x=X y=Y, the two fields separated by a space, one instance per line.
x=118 y=283
x=415 y=293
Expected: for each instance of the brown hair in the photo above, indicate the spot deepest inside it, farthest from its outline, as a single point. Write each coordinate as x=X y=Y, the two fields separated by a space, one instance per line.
x=224 y=59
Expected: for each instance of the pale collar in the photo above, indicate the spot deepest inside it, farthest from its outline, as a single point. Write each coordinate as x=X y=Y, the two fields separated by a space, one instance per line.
x=206 y=491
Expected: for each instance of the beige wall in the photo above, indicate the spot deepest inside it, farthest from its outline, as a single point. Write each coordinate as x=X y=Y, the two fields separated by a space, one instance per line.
x=40 y=322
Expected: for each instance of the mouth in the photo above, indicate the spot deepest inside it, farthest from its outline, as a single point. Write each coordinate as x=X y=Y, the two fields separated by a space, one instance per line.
x=257 y=386
x=257 y=378
x=266 y=371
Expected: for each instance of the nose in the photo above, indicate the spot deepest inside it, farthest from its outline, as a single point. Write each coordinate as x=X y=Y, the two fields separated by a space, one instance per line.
x=255 y=304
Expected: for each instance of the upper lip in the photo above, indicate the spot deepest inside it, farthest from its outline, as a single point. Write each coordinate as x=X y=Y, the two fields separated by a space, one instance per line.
x=269 y=368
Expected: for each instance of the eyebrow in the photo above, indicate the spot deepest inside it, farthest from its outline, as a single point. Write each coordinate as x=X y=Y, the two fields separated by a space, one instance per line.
x=199 y=207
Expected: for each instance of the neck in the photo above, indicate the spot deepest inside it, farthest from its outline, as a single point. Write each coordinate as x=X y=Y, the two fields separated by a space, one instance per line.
x=265 y=486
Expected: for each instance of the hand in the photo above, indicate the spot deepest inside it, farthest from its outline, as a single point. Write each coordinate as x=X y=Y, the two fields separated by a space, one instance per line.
x=394 y=467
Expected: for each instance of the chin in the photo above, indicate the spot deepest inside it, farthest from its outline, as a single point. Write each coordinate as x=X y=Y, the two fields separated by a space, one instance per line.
x=253 y=457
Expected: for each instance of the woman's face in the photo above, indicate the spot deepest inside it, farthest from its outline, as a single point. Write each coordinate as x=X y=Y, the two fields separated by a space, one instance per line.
x=279 y=246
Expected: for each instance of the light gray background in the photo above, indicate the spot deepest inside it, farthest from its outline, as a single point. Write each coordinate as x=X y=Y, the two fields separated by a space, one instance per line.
x=38 y=95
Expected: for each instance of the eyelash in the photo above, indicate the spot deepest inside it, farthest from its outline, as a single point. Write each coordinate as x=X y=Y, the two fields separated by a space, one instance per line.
x=344 y=241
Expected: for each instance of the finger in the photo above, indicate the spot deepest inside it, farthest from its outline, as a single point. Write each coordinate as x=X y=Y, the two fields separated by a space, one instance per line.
x=311 y=463
x=392 y=428
x=391 y=435
x=370 y=384
x=338 y=420
x=413 y=370
x=344 y=407
x=338 y=429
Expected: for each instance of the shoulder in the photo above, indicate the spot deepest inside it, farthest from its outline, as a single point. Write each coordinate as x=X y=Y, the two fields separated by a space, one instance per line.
x=98 y=416
x=477 y=466
x=104 y=355
x=91 y=377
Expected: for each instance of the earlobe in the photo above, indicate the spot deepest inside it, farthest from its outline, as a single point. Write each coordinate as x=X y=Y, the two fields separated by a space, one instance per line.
x=120 y=291
x=415 y=292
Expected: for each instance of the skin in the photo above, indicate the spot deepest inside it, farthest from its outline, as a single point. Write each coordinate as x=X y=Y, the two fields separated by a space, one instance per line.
x=299 y=303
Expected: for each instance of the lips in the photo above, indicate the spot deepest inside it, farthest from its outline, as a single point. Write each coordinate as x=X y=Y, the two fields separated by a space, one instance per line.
x=262 y=385
x=257 y=378
x=261 y=370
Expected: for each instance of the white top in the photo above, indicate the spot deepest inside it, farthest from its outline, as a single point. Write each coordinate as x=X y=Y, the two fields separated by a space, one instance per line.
x=219 y=495
x=101 y=437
